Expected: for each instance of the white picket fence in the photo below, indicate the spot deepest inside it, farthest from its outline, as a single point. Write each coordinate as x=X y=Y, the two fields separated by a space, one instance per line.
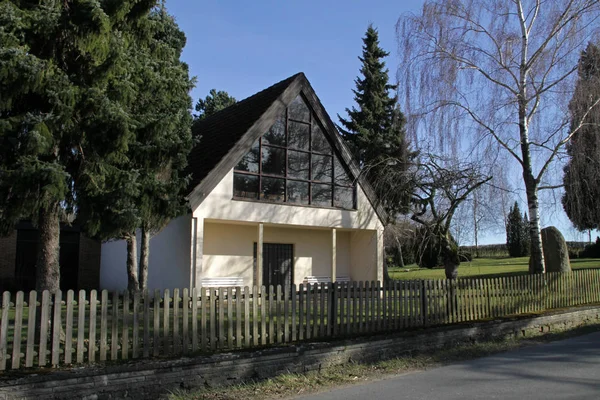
x=120 y=325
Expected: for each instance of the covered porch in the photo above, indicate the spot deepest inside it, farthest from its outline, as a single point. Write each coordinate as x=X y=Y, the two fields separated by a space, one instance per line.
x=234 y=253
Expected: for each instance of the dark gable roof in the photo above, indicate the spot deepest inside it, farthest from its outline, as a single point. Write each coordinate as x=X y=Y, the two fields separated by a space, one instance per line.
x=228 y=135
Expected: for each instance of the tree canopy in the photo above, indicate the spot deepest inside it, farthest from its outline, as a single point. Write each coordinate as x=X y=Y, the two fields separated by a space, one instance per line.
x=582 y=172
x=146 y=191
x=375 y=128
x=216 y=100
x=63 y=86
x=490 y=75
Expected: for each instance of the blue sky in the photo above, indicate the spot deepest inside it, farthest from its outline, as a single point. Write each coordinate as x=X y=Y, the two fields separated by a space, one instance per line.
x=243 y=47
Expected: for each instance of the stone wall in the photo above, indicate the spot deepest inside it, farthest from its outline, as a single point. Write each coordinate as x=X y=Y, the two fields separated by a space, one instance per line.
x=152 y=378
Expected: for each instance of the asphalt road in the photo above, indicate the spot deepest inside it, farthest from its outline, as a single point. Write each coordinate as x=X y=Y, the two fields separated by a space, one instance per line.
x=568 y=369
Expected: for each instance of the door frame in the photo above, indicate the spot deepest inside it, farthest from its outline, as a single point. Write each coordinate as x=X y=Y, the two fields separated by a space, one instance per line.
x=292 y=266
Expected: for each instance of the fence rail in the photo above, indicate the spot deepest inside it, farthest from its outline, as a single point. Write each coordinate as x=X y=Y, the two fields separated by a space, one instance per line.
x=88 y=327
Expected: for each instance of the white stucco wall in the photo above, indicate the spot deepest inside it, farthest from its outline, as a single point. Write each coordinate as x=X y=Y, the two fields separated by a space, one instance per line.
x=169 y=264
x=229 y=250
x=359 y=236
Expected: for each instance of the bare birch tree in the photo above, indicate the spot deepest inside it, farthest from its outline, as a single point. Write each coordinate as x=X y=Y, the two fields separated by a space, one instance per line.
x=498 y=72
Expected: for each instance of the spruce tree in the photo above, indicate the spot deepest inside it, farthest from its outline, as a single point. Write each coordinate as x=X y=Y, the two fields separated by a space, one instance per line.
x=516 y=232
x=214 y=102
x=375 y=129
x=525 y=236
x=582 y=172
x=63 y=84
x=157 y=153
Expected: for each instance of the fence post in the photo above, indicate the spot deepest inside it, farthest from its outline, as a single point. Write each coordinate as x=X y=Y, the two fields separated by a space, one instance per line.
x=333 y=327
x=424 y=302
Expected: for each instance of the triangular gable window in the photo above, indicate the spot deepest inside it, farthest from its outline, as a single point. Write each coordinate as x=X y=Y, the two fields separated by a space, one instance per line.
x=294 y=162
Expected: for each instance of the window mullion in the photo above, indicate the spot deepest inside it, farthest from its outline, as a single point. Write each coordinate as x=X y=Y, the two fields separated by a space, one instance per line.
x=285 y=186
x=260 y=161
x=310 y=172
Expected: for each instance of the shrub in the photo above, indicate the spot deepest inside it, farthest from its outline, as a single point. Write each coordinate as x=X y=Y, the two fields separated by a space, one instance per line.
x=465 y=256
x=591 y=250
x=573 y=254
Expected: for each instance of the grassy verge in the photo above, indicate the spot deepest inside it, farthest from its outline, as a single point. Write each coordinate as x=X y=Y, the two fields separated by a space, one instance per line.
x=290 y=385
x=483 y=268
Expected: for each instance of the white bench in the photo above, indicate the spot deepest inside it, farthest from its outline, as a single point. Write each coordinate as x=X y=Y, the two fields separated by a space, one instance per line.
x=325 y=279
x=227 y=281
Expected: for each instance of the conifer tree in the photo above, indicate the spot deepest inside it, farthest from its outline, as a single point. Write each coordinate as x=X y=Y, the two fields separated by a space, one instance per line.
x=582 y=172
x=375 y=129
x=63 y=84
x=526 y=237
x=157 y=153
x=214 y=102
x=516 y=232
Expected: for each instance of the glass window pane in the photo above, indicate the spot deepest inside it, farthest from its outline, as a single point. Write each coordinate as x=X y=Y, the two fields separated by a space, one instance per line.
x=321 y=195
x=298 y=165
x=245 y=186
x=299 y=135
x=273 y=161
x=250 y=161
x=276 y=135
x=298 y=110
x=321 y=168
x=341 y=176
x=273 y=189
x=319 y=141
x=297 y=192
x=343 y=197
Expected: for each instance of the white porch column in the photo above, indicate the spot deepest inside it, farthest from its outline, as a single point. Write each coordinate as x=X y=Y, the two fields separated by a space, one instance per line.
x=197 y=251
x=333 y=255
x=380 y=254
x=259 y=255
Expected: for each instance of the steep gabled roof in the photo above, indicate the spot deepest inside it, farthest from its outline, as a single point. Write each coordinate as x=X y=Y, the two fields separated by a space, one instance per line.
x=228 y=135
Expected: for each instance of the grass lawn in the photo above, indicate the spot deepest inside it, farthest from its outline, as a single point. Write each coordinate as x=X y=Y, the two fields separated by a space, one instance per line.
x=483 y=268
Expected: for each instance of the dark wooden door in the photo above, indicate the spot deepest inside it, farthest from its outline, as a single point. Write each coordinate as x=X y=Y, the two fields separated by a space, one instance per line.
x=278 y=264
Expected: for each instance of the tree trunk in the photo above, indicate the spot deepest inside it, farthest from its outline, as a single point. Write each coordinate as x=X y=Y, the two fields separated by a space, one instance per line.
x=475 y=230
x=450 y=256
x=132 y=263
x=536 y=264
x=400 y=255
x=48 y=268
x=144 y=258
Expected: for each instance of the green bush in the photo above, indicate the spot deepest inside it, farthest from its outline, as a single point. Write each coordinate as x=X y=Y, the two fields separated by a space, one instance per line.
x=591 y=250
x=465 y=256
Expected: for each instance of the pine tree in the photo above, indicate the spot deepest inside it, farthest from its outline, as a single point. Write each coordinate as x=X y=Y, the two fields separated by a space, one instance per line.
x=63 y=84
x=375 y=129
x=525 y=236
x=157 y=153
x=582 y=172
x=214 y=102
x=516 y=232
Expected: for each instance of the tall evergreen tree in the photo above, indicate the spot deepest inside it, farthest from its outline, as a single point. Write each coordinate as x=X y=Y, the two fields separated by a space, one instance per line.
x=215 y=101
x=157 y=153
x=63 y=83
x=516 y=232
x=375 y=129
x=526 y=241
x=582 y=172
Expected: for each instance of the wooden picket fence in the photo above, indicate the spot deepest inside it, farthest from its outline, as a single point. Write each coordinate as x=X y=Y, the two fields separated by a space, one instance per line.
x=120 y=326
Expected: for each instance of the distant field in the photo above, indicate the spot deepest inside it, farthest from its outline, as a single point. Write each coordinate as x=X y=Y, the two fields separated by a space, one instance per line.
x=483 y=267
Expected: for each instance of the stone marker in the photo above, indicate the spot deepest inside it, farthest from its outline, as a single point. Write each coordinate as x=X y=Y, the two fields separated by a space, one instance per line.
x=556 y=253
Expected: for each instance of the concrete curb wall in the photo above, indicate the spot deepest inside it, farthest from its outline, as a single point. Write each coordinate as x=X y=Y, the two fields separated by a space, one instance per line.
x=145 y=379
